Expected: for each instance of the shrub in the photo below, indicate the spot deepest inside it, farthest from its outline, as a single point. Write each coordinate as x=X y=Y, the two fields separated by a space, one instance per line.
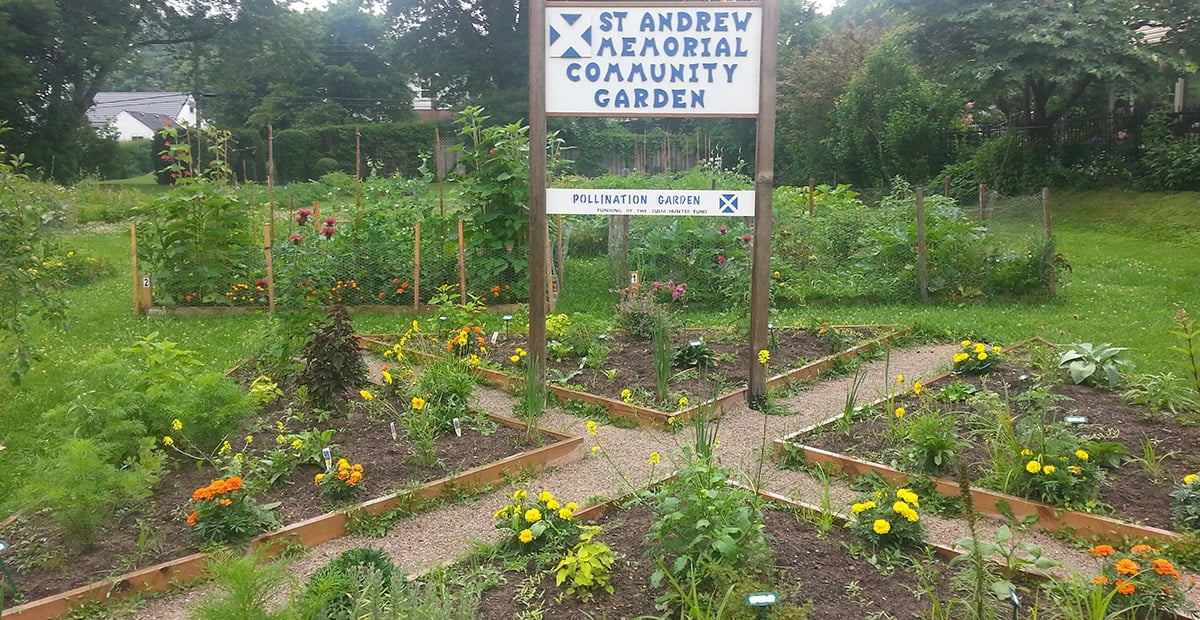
x=333 y=362
x=587 y=565
x=330 y=591
x=931 y=445
x=640 y=314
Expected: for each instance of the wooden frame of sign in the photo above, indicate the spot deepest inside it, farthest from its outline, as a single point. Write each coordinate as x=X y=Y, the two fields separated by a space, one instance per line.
x=713 y=100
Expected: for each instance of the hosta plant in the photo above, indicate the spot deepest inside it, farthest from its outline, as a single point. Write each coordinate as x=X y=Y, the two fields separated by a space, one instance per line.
x=1093 y=364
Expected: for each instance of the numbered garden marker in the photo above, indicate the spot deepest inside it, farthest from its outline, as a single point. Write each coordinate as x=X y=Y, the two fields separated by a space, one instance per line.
x=328 y=454
x=393 y=425
x=495 y=335
x=457 y=428
x=634 y=278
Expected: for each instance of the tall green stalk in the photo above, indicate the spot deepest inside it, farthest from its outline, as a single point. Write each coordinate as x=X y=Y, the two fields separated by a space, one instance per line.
x=662 y=360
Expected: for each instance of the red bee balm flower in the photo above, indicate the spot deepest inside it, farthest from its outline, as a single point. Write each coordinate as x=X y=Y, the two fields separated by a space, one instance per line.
x=746 y=238
x=328 y=232
x=722 y=230
x=329 y=221
x=720 y=259
x=296 y=239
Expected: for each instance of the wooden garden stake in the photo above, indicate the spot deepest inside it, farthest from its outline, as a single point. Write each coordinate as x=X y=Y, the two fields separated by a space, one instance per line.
x=812 y=199
x=537 y=200
x=982 y=203
x=561 y=259
x=133 y=251
x=922 y=251
x=357 y=183
x=1049 y=240
x=764 y=185
x=441 y=172
x=267 y=244
x=271 y=178
x=462 y=266
x=416 y=266
x=551 y=284
x=946 y=192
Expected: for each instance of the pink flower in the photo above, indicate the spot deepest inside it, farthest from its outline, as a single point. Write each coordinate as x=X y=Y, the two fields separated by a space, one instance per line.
x=746 y=238
x=970 y=119
x=296 y=239
x=260 y=282
x=657 y=285
x=970 y=105
x=720 y=259
x=329 y=221
x=722 y=230
x=328 y=232
x=1121 y=135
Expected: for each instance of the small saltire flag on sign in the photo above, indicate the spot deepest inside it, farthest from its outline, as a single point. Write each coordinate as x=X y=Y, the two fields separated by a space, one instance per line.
x=571 y=36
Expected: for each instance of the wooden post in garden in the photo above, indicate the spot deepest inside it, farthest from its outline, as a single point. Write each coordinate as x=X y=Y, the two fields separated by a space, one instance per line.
x=268 y=243
x=416 y=266
x=764 y=186
x=922 y=251
x=946 y=192
x=357 y=185
x=441 y=172
x=134 y=267
x=1050 y=254
x=982 y=203
x=537 y=199
x=812 y=200
x=462 y=266
x=561 y=258
x=552 y=291
x=316 y=216
x=271 y=178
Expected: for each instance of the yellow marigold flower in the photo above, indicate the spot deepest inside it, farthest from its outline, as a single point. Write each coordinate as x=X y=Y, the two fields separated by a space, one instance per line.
x=917 y=387
x=856 y=508
x=1191 y=478
x=961 y=357
x=357 y=467
x=177 y=424
x=526 y=536
x=1081 y=455
x=552 y=504
x=366 y=395
x=501 y=514
x=514 y=359
x=683 y=402
x=900 y=411
x=912 y=516
x=1026 y=452
x=626 y=395
x=764 y=356
x=343 y=464
x=1033 y=467
x=654 y=458
x=565 y=514
x=387 y=377
x=318 y=478
x=168 y=440
x=591 y=427
x=418 y=403
x=899 y=379
x=572 y=506
x=900 y=508
x=981 y=356
x=910 y=497
x=297 y=444
x=881 y=526
x=545 y=496
x=595 y=449
x=966 y=343
x=533 y=515
x=1048 y=470
x=996 y=350
x=980 y=347
x=520 y=495
x=1077 y=470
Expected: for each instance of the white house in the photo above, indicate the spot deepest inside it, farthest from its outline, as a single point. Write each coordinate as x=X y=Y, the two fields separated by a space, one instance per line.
x=137 y=116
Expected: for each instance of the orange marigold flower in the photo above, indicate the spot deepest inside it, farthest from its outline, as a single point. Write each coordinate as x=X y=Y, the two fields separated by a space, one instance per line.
x=1164 y=567
x=1102 y=550
x=1125 y=587
x=226 y=502
x=1143 y=549
x=192 y=518
x=233 y=483
x=343 y=474
x=1100 y=580
x=1126 y=566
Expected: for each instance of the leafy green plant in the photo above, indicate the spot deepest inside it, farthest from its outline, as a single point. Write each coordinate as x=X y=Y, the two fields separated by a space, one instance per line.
x=245 y=584
x=956 y=392
x=264 y=390
x=1160 y=393
x=694 y=354
x=1005 y=556
x=1090 y=364
x=333 y=362
x=640 y=314
x=330 y=591
x=888 y=523
x=930 y=442
x=1189 y=334
x=1185 y=504
x=447 y=386
x=661 y=345
x=587 y=565
x=1057 y=470
x=82 y=488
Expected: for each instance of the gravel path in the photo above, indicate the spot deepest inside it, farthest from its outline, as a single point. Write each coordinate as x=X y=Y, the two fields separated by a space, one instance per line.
x=437 y=537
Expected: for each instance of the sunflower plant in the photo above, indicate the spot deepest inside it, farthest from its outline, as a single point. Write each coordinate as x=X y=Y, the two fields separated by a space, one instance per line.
x=535 y=522
x=1140 y=579
x=888 y=520
x=225 y=512
x=977 y=358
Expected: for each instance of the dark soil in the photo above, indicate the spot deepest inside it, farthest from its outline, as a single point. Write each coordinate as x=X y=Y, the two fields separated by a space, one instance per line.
x=156 y=530
x=633 y=361
x=808 y=569
x=1131 y=493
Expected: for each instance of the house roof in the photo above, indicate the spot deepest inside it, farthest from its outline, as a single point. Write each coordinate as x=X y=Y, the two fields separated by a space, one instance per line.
x=109 y=104
x=152 y=120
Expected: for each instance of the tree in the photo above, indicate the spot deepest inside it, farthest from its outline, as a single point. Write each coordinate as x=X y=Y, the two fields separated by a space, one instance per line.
x=890 y=120
x=1032 y=59
x=469 y=51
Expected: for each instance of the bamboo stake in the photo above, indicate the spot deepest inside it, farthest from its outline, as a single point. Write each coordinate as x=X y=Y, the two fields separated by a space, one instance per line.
x=561 y=257
x=922 y=251
x=552 y=288
x=134 y=270
x=416 y=266
x=357 y=185
x=268 y=243
x=812 y=200
x=946 y=193
x=462 y=265
x=271 y=178
x=1052 y=280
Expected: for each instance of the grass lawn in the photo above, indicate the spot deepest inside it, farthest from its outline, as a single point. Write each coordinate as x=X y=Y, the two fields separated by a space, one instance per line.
x=1135 y=260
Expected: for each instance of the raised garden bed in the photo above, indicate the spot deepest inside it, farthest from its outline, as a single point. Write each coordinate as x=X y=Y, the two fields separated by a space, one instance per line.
x=803 y=354
x=480 y=461
x=1139 y=501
